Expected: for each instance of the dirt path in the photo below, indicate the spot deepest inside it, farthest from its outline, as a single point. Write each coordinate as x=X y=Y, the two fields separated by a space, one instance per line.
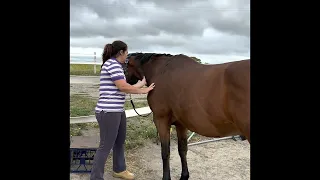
x=221 y=160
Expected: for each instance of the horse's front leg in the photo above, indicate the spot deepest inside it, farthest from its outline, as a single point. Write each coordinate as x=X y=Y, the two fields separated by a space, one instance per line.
x=182 y=149
x=164 y=132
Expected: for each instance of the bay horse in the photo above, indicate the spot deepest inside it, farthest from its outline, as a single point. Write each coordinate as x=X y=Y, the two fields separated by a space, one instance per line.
x=210 y=100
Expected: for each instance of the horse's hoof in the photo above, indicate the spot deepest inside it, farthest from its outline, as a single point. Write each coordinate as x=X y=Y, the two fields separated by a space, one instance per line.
x=184 y=177
x=243 y=138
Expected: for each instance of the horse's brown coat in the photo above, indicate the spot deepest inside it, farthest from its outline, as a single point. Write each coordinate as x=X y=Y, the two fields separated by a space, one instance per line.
x=211 y=100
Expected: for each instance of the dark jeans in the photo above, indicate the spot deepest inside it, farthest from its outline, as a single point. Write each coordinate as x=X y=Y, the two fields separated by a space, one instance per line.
x=112 y=136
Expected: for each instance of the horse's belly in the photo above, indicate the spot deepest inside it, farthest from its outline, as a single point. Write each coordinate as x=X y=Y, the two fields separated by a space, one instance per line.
x=211 y=127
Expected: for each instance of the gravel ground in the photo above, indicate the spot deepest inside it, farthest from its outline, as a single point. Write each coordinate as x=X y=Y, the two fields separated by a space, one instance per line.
x=221 y=160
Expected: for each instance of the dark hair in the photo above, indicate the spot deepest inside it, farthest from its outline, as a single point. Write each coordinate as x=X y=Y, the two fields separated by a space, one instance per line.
x=111 y=50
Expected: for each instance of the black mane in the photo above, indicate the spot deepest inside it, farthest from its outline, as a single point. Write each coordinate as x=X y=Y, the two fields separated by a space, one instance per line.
x=145 y=57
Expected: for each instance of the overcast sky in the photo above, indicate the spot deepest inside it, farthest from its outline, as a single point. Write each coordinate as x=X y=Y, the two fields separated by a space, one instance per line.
x=215 y=31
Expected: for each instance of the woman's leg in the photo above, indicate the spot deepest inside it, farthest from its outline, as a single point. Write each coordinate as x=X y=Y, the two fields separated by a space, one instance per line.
x=119 y=163
x=108 y=125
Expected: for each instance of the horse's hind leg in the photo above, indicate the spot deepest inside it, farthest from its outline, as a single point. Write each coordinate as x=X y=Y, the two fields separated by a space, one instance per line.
x=242 y=120
x=243 y=138
x=163 y=127
x=157 y=139
x=182 y=149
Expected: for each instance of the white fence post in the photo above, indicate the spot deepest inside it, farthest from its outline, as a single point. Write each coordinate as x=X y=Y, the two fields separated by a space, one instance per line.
x=95 y=66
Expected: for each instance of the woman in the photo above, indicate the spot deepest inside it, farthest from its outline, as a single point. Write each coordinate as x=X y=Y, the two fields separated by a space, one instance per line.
x=110 y=111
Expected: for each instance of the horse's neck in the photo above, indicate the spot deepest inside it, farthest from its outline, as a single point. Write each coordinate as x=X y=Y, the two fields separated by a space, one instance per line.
x=154 y=68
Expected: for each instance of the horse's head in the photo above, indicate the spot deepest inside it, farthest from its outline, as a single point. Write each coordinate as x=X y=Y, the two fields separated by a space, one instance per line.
x=132 y=68
x=135 y=63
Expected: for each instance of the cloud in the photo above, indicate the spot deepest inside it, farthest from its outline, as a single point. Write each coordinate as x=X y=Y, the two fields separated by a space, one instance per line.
x=208 y=27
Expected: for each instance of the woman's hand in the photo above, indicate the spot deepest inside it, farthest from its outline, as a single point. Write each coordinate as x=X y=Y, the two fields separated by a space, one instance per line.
x=146 y=90
x=141 y=83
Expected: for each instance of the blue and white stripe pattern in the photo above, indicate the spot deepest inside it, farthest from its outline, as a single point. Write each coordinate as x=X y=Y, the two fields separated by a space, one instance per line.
x=111 y=99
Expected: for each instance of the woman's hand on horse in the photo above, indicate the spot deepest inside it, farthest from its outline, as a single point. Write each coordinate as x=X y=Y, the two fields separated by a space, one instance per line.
x=146 y=90
x=143 y=81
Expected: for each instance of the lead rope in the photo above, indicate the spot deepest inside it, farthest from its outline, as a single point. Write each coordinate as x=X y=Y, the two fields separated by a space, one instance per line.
x=134 y=108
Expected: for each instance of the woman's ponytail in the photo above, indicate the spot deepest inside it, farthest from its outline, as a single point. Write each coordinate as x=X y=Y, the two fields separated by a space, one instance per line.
x=111 y=50
x=107 y=52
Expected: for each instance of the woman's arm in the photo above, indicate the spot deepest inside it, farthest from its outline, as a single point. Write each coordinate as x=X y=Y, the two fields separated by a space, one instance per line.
x=127 y=88
x=138 y=85
x=117 y=76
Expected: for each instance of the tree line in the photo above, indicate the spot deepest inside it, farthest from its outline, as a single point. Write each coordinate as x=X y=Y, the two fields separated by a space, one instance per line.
x=198 y=60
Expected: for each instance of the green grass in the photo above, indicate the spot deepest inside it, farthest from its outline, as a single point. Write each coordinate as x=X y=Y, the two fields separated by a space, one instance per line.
x=84 y=106
x=75 y=129
x=84 y=69
x=81 y=105
x=139 y=129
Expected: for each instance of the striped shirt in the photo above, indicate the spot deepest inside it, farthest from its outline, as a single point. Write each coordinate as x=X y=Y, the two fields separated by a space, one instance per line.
x=111 y=99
